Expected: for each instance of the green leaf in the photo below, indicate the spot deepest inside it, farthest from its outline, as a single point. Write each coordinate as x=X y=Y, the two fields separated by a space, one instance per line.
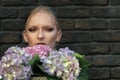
x=83 y=75
x=78 y=55
x=82 y=61
x=34 y=60
x=84 y=64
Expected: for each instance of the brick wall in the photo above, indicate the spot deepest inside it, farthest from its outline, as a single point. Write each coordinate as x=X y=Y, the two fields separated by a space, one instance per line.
x=91 y=27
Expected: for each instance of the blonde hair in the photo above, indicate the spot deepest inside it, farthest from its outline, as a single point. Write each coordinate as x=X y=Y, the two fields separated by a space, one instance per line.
x=42 y=9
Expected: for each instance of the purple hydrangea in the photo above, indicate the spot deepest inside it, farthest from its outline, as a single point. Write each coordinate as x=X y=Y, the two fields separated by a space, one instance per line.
x=14 y=64
x=61 y=64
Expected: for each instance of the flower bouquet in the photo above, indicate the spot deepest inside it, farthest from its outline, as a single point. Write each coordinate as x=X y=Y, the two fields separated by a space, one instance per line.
x=62 y=64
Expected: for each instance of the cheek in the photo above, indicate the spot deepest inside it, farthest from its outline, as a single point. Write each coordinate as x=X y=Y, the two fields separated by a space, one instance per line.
x=51 y=40
x=31 y=39
x=51 y=37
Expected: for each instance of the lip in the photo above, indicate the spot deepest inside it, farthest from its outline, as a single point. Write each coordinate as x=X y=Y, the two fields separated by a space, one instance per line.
x=40 y=44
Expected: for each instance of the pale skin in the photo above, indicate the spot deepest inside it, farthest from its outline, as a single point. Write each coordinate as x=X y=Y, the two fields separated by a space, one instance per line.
x=41 y=29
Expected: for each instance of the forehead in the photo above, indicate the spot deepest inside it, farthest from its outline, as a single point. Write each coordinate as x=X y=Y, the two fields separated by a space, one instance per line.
x=41 y=18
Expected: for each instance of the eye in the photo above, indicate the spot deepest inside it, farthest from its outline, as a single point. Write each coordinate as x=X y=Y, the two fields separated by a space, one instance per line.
x=49 y=29
x=32 y=29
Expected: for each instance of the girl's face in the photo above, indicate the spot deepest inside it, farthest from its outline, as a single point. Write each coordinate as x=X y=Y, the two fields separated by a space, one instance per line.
x=42 y=29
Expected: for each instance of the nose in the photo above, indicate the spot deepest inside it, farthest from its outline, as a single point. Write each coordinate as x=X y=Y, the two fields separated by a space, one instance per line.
x=40 y=35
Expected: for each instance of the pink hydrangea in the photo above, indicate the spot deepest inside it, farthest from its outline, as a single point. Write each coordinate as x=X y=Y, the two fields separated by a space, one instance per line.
x=41 y=50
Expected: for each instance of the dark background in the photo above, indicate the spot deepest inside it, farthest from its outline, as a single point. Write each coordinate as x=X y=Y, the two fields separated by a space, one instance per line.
x=90 y=27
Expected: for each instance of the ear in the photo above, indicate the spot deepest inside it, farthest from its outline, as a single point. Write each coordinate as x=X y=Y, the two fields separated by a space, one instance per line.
x=25 y=36
x=59 y=35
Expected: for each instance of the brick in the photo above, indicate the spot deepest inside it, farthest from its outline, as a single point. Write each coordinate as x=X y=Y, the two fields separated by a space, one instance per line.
x=99 y=73
x=76 y=36
x=114 y=24
x=106 y=60
x=12 y=25
x=55 y=2
x=90 y=2
x=117 y=12
x=115 y=48
x=115 y=72
x=88 y=48
x=98 y=48
x=8 y=12
x=71 y=12
x=18 y=2
x=114 y=79
x=89 y=59
x=91 y=24
x=66 y=24
x=0 y=25
x=115 y=2
x=102 y=36
x=10 y=37
x=104 y=12
x=24 y=12
x=80 y=48
x=115 y=36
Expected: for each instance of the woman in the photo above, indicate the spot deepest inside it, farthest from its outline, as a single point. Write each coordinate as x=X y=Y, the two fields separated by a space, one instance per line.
x=42 y=28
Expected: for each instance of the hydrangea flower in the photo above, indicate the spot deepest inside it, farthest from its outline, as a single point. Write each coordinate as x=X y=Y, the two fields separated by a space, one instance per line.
x=20 y=63
x=61 y=64
x=41 y=50
x=14 y=64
